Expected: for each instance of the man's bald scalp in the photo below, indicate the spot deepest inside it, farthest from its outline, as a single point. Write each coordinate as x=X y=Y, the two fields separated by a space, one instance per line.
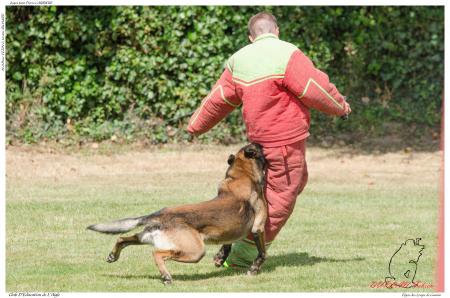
x=261 y=23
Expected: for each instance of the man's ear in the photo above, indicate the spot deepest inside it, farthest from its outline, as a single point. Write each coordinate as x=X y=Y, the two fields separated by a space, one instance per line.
x=251 y=38
x=231 y=159
x=277 y=31
x=249 y=152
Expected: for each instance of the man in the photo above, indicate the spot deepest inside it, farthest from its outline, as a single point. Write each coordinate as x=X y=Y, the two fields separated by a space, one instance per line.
x=276 y=85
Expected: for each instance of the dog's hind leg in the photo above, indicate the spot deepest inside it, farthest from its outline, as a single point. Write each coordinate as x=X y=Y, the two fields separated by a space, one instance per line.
x=160 y=256
x=121 y=243
x=222 y=255
x=187 y=246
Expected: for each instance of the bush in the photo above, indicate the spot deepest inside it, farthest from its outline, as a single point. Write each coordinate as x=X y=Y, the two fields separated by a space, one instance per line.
x=92 y=72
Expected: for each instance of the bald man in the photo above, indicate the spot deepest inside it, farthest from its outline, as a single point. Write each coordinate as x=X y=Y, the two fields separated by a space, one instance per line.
x=277 y=85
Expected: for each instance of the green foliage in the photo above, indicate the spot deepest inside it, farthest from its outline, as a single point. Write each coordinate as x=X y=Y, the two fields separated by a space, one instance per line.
x=95 y=72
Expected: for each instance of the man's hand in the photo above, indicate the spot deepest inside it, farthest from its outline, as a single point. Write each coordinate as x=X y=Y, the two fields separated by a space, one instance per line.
x=347 y=108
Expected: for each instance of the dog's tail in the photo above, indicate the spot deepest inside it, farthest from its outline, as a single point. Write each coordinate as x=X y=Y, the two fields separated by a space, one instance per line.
x=122 y=225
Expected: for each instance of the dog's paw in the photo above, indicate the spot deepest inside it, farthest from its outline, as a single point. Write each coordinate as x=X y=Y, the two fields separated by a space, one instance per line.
x=218 y=261
x=111 y=258
x=253 y=271
x=218 y=264
x=166 y=279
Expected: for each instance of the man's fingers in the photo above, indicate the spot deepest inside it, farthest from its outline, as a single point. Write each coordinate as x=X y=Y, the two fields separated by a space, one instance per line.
x=347 y=108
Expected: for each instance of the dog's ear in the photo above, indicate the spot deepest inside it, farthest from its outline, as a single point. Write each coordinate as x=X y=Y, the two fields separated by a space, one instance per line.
x=231 y=159
x=250 y=152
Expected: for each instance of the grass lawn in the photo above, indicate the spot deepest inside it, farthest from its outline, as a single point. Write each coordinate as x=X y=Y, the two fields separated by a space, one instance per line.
x=355 y=212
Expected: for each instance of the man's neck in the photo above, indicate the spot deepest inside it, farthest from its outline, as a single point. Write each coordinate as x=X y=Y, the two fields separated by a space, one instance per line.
x=264 y=36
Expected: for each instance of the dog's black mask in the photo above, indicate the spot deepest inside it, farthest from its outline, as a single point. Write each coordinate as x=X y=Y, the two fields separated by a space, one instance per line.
x=255 y=151
x=231 y=159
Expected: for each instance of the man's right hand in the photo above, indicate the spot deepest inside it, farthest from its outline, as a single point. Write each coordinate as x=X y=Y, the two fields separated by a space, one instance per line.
x=347 y=108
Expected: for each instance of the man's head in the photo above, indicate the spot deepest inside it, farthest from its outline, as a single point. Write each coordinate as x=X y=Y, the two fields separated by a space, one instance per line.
x=262 y=23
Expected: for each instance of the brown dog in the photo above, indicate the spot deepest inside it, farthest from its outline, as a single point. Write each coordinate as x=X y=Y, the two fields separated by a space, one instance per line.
x=179 y=233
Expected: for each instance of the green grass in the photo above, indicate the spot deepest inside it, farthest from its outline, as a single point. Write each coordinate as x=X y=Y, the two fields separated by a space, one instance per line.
x=340 y=237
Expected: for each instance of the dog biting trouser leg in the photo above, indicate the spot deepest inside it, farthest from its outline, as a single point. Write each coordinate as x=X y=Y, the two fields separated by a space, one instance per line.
x=286 y=177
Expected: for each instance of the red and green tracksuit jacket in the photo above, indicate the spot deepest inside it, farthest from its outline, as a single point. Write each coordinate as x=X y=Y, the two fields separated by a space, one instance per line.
x=276 y=85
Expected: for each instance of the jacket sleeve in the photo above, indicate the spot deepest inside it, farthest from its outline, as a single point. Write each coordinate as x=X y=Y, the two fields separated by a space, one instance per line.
x=312 y=86
x=215 y=106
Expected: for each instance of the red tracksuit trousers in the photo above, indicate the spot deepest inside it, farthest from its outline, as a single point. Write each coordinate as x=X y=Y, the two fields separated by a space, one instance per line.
x=286 y=177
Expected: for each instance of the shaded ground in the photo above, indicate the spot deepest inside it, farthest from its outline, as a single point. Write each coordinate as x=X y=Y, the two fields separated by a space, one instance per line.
x=392 y=137
x=400 y=138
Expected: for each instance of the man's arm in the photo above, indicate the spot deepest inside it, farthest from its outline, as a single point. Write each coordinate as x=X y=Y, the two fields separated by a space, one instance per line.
x=219 y=103
x=313 y=87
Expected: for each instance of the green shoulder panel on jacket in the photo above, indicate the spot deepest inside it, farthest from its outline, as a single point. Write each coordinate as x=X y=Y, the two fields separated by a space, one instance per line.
x=267 y=56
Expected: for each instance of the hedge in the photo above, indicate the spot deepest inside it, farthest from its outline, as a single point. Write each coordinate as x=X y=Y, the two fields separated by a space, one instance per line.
x=133 y=72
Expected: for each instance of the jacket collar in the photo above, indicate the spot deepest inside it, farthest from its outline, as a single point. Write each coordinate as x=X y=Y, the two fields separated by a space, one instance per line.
x=264 y=36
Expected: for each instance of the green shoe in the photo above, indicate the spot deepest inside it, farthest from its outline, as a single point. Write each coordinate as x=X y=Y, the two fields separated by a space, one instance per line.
x=243 y=253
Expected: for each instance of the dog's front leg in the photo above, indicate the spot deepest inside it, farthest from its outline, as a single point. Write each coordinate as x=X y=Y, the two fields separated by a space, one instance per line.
x=261 y=257
x=121 y=243
x=258 y=235
x=222 y=255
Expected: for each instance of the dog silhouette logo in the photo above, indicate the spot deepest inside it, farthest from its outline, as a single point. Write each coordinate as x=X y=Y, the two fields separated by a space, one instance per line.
x=403 y=264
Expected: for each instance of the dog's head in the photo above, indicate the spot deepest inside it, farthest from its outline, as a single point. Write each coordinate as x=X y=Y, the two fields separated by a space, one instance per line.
x=250 y=158
x=255 y=152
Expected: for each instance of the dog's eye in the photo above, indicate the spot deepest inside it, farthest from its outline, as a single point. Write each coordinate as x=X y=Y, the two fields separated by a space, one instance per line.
x=250 y=153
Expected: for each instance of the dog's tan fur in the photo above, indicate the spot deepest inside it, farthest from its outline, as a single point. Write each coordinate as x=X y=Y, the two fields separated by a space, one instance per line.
x=179 y=233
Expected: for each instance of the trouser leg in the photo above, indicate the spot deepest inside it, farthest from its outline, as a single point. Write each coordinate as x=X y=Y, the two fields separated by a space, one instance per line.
x=286 y=178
